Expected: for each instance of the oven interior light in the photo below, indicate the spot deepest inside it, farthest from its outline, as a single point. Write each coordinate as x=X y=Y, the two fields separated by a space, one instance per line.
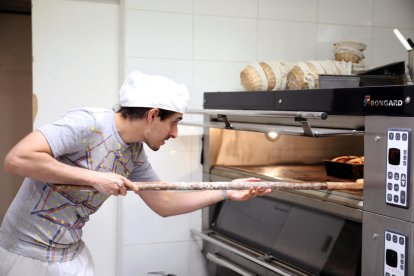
x=272 y=136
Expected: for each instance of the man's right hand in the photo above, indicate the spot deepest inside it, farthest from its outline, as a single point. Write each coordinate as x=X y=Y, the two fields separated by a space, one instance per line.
x=112 y=184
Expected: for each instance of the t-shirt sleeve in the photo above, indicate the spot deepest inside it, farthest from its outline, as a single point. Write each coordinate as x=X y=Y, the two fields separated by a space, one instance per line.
x=143 y=171
x=68 y=134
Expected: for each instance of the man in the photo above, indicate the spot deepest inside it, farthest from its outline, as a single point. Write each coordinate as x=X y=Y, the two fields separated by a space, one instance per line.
x=41 y=232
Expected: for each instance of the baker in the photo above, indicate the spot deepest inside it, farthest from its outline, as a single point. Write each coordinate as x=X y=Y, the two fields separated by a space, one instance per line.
x=41 y=233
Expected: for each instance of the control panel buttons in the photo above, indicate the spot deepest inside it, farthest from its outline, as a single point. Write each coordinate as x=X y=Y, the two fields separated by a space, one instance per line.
x=398 y=162
x=395 y=254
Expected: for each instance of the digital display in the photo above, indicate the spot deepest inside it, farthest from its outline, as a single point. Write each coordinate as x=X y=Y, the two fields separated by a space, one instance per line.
x=394 y=156
x=391 y=258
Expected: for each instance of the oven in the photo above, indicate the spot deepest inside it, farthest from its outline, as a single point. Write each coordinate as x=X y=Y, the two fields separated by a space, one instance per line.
x=285 y=136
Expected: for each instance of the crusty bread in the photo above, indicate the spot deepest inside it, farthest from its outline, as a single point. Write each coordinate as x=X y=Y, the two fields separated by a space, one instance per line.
x=349 y=159
x=357 y=160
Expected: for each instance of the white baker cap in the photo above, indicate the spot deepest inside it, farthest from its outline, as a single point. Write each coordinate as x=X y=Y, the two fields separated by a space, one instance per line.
x=153 y=91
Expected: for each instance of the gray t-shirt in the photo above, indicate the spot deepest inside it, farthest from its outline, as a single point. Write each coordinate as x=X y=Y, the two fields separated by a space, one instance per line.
x=47 y=225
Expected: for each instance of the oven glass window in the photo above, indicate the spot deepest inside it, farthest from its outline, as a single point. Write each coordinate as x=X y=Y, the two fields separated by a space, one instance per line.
x=307 y=239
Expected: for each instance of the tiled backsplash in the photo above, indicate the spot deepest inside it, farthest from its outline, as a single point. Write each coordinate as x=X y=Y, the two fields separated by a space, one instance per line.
x=229 y=34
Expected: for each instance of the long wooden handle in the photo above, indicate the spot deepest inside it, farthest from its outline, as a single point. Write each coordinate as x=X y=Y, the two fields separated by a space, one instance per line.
x=146 y=186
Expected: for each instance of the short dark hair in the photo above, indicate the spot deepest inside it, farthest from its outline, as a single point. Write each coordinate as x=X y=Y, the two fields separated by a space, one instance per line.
x=139 y=112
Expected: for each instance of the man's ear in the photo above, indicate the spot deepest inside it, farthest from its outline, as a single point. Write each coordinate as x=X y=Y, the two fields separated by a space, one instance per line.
x=152 y=113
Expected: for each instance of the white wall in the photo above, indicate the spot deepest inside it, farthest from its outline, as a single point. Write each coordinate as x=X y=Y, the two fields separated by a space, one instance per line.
x=76 y=63
x=204 y=44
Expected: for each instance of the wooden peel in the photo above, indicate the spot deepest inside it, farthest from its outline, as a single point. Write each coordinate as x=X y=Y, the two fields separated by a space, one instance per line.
x=157 y=186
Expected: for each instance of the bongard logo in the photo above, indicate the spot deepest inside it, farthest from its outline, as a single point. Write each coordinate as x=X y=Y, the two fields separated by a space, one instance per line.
x=370 y=102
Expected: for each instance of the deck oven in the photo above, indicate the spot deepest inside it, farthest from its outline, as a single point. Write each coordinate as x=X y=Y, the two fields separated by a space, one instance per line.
x=285 y=136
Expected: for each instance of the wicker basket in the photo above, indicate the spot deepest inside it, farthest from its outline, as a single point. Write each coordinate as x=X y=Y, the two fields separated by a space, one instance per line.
x=348 y=57
x=304 y=75
x=253 y=78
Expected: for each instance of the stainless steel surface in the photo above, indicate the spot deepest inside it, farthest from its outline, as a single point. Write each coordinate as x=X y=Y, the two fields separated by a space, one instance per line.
x=369 y=208
x=262 y=113
x=375 y=167
x=373 y=242
x=258 y=259
x=343 y=205
x=280 y=129
x=228 y=264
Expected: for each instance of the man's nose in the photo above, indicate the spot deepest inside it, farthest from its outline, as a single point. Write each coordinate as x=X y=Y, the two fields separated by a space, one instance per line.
x=174 y=133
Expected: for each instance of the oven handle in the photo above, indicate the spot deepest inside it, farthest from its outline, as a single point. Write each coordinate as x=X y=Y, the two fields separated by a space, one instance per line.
x=226 y=263
x=263 y=113
x=238 y=252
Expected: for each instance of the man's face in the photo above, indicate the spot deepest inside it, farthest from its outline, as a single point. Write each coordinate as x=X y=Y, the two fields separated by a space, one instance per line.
x=160 y=131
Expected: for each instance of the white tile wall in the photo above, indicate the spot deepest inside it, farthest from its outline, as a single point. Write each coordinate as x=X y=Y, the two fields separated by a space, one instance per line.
x=171 y=257
x=287 y=40
x=224 y=38
x=213 y=76
x=182 y=6
x=137 y=230
x=205 y=44
x=158 y=34
x=395 y=13
x=351 y=12
x=293 y=10
x=235 y=8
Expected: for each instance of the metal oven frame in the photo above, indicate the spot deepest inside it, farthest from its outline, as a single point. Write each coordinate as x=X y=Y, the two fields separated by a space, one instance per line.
x=330 y=116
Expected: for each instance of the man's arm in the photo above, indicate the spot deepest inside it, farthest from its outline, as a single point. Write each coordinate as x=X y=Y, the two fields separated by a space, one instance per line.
x=32 y=157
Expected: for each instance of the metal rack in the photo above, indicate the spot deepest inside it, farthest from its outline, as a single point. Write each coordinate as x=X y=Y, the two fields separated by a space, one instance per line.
x=281 y=122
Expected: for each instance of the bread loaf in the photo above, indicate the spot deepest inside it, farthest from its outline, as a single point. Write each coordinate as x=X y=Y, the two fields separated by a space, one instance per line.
x=349 y=159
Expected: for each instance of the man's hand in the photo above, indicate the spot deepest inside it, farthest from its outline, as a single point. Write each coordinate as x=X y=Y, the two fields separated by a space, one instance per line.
x=112 y=183
x=242 y=195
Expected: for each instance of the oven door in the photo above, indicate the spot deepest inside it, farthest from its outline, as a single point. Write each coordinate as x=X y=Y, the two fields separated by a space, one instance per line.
x=269 y=236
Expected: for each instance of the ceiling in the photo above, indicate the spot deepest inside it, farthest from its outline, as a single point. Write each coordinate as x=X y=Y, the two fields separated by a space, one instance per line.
x=16 y=6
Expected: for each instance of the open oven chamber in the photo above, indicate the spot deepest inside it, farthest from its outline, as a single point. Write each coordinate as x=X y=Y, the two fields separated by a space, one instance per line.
x=307 y=232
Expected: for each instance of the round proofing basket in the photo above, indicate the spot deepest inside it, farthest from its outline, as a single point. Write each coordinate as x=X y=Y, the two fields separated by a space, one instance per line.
x=270 y=76
x=348 y=57
x=250 y=79
x=296 y=79
x=280 y=69
x=353 y=44
x=253 y=78
x=315 y=70
x=304 y=75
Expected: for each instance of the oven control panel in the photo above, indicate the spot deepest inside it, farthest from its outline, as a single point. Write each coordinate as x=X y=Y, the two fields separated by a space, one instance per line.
x=398 y=159
x=395 y=254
